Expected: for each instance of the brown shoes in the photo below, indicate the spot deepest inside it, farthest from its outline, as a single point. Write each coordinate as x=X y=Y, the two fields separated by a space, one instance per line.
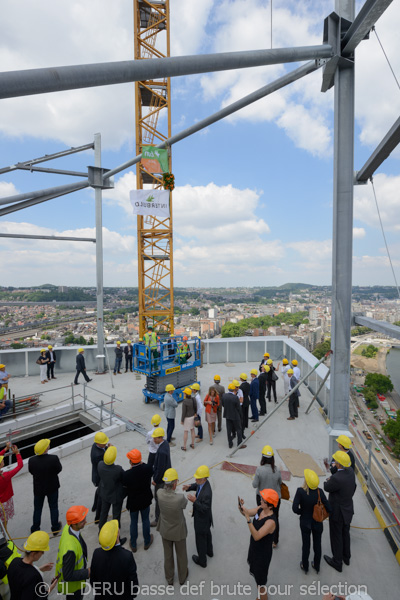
x=147 y=546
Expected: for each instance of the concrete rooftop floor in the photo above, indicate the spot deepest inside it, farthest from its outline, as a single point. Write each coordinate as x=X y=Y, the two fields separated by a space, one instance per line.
x=373 y=563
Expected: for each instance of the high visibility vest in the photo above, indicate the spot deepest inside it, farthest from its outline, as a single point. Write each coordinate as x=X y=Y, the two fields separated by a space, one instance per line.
x=14 y=554
x=183 y=350
x=69 y=542
x=150 y=339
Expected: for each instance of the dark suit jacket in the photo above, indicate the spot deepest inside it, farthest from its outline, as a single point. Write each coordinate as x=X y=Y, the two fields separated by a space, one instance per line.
x=162 y=461
x=110 y=487
x=303 y=505
x=116 y=566
x=80 y=362
x=231 y=405
x=262 y=382
x=45 y=469
x=254 y=389
x=245 y=387
x=202 y=513
x=341 y=487
x=49 y=356
x=96 y=455
x=137 y=481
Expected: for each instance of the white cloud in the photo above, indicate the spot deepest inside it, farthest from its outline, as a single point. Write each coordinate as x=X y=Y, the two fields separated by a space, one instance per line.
x=359 y=233
x=7 y=189
x=387 y=194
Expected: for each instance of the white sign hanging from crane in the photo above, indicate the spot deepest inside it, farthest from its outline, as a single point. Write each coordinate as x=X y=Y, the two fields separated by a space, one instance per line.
x=150 y=202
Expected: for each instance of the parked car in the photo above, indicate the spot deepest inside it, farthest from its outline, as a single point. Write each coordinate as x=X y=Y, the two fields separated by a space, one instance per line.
x=385 y=462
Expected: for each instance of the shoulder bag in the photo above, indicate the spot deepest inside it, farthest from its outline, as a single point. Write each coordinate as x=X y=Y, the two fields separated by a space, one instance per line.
x=285 y=494
x=320 y=513
x=274 y=376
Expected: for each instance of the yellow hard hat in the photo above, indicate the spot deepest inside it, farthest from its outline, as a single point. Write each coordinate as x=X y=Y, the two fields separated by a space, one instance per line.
x=312 y=479
x=169 y=388
x=294 y=362
x=266 y=368
x=140 y=339
x=159 y=432
x=267 y=451
x=269 y=361
x=110 y=455
x=118 y=342
x=170 y=475
x=128 y=342
x=108 y=534
x=231 y=386
x=155 y=420
x=253 y=371
x=41 y=446
x=243 y=376
x=236 y=383
x=42 y=350
x=187 y=391
x=344 y=441
x=201 y=472
x=266 y=354
x=217 y=378
x=2 y=366
x=285 y=361
x=80 y=350
x=342 y=458
x=195 y=386
x=289 y=372
x=50 y=347
x=100 y=438
x=37 y=542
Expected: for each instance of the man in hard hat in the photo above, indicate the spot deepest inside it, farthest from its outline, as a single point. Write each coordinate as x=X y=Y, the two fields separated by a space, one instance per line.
x=128 y=351
x=220 y=391
x=71 y=566
x=44 y=468
x=113 y=572
x=172 y=527
x=232 y=415
x=285 y=368
x=24 y=577
x=263 y=361
x=81 y=366
x=254 y=395
x=170 y=406
x=184 y=351
x=293 y=398
x=196 y=388
x=150 y=340
x=110 y=487
x=118 y=358
x=296 y=369
x=162 y=462
x=271 y=380
x=262 y=388
x=51 y=355
x=341 y=487
x=344 y=444
x=100 y=445
x=245 y=387
x=202 y=514
x=152 y=446
x=5 y=404
x=137 y=483
x=4 y=376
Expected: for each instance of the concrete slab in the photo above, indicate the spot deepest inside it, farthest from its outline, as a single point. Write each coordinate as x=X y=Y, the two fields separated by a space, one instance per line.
x=373 y=563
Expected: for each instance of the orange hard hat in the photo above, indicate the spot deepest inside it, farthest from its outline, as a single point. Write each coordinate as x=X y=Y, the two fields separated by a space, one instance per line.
x=185 y=337
x=135 y=456
x=270 y=496
x=76 y=514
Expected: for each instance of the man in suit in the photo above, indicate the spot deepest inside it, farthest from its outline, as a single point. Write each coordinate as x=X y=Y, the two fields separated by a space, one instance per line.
x=51 y=355
x=137 y=481
x=113 y=571
x=232 y=414
x=110 y=488
x=254 y=394
x=202 y=514
x=128 y=351
x=101 y=443
x=162 y=462
x=262 y=388
x=344 y=444
x=45 y=468
x=245 y=387
x=341 y=487
x=172 y=527
x=81 y=366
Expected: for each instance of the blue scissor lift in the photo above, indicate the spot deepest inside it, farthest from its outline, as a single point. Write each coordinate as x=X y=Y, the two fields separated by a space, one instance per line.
x=167 y=368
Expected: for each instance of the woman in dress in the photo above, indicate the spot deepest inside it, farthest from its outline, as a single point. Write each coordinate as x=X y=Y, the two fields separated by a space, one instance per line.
x=262 y=530
x=189 y=407
x=42 y=362
x=303 y=504
x=6 y=488
x=268 y=476
x=211 y=402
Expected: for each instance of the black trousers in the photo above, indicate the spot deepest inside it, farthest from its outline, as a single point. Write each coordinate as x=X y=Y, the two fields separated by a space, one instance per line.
x=339 y=533
x=128 y=363
x=306 y=534
x=151 y=458
x=261 y=399
x=96 y=508
x=105 y=508
x=50 y=370
x=293 y=406
x=204 y=546
x=271 y=385
x=83 y=373
x=245 y=417
x=234 y=426
x=219 y=416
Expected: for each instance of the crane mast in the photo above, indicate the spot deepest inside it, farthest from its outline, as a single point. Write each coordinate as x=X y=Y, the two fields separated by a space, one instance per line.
x=153 y=126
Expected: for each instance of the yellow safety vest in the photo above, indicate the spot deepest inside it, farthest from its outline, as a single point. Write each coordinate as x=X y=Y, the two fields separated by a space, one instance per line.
x=9 y=560
x=183 y=350
x=150 y=339
x=69 y=542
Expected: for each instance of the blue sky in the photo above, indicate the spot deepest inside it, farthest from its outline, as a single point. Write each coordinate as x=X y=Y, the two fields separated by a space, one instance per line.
x=253 y=202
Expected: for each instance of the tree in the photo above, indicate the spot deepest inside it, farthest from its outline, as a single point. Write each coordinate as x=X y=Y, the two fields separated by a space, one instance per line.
x=194 y=311
x=230 y=330
x=17 y=345
x=321 y=349
x=392 y=430
x=370 y=351
x=380 y=384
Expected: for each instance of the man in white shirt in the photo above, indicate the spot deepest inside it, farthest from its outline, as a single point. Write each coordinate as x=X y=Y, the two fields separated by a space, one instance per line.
x=196 y=388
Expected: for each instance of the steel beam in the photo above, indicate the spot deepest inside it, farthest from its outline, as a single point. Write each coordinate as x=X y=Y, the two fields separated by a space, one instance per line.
x=281 y=82
x=381 y=326
x=47 y=170
x=98 y=195
x=57 y=79
x=370 y=12
x=47 y=157
x=71 y=187
x=47 y=237
x=40 y=199
x=383 y=150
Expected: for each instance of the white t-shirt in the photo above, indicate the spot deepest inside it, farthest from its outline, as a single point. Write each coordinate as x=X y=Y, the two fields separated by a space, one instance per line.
x=199 y=404
x=296 y=372
x=150 y=441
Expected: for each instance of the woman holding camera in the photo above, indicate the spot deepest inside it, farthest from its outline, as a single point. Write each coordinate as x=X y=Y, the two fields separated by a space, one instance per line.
x=6 y=488
x=211 y=402
x=262 y=529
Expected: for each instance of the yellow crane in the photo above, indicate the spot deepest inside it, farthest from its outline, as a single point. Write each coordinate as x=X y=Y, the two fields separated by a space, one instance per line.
x=152 y=97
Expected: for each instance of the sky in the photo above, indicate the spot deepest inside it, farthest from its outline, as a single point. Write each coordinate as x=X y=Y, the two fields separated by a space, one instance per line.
x=253 y=199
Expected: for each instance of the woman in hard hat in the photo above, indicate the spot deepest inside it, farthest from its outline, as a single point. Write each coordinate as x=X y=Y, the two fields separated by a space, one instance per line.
x=6 y=488
x=211 y=402
x=285 y=368
x=42 y=362
x=152 y=446
x=344 y=444
x=262 y=530
x=303 y=504
x=268 y=476
x=189 y=410
x=24 y=577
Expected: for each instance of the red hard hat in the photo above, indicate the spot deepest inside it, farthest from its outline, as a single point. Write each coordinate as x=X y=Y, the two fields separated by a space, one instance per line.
x=270 y=496
x=76 y=514
x=184 y=337
x=135 y=456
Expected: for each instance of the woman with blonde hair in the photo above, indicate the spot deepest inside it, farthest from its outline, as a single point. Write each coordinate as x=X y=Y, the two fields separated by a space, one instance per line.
x=303 y=504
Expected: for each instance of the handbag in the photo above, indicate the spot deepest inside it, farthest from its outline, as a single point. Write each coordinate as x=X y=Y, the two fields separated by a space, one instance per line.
x=320 y=513
x=197 y=421
x=285 y=494
x=274 y=376
x=38 y=362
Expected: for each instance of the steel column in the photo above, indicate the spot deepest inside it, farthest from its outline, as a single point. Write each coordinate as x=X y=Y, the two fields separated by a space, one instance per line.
x=342 y=240
x=99 y=255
